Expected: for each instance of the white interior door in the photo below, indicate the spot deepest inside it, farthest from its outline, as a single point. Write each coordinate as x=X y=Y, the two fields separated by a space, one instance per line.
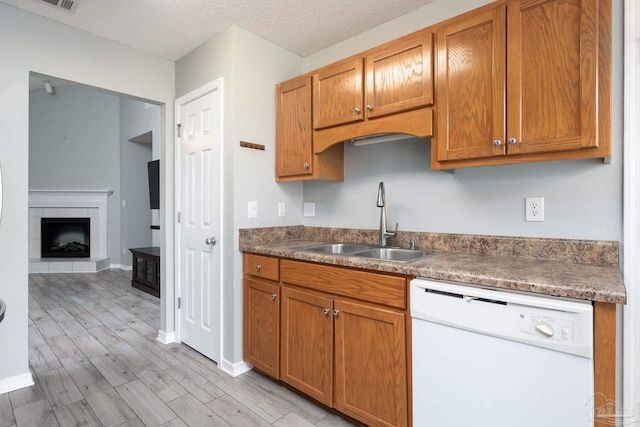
x=200 y=222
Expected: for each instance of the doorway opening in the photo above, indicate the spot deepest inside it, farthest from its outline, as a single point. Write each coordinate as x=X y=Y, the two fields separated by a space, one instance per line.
x=88 y=140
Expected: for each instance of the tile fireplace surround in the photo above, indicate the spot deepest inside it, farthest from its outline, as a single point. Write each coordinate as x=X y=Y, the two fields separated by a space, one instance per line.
x=91 y=204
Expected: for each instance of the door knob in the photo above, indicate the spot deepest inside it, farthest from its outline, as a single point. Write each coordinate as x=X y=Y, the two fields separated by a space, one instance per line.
x=211 y=241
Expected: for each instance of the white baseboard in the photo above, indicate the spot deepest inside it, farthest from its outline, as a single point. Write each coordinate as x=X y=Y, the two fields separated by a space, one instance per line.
x=166 y=337
x=15 y=383
x=234 y=369
x=122 y=267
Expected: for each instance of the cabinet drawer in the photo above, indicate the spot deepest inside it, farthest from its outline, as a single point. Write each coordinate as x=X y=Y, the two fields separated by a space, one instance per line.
x=261 y=266
x=363 y=285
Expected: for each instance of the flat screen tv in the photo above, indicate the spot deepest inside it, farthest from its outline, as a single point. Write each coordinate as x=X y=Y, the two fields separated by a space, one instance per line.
x=154 y=184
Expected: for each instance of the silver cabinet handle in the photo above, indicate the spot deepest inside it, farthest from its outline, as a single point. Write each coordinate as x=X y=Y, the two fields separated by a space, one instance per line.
x=497 y=142
x=512 y=141
x=211 y=241
x=356 y=110
x=369 y=107
x=273 y=297
x=258 y=267
x=335 y=312
x=325 y=311
x=305 y=165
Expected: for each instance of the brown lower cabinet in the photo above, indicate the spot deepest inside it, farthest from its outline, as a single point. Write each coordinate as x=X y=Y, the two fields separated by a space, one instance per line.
x=262 y=318
x=347 y=355
x=344 y=345
x=342 y=336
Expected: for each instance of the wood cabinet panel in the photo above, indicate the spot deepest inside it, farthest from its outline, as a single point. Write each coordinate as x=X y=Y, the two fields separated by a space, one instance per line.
x=262 y=266
x=338 y=94
x=307 y=343
x=471 y=89
x=363 y=285
x=295 y=156
x=604 y=357
x=261 y=328
x=399 y=76
x=370 y=364
x=552 y=75
x=294 y=149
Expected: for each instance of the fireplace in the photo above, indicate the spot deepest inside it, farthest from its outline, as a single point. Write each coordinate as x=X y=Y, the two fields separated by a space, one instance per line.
x=65 y=237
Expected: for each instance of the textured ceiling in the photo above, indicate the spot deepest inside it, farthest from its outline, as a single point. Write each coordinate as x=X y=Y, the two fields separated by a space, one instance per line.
x=172 y=28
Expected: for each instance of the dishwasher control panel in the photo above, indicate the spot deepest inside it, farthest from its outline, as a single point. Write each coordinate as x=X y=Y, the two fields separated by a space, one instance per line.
x=552 y=328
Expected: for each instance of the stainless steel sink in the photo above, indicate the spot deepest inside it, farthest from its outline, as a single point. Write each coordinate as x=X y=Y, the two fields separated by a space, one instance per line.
x=336 y=248
x=392 y=254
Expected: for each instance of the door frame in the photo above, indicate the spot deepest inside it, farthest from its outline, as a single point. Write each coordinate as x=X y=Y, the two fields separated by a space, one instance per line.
x=631 y=212
x=215 y=85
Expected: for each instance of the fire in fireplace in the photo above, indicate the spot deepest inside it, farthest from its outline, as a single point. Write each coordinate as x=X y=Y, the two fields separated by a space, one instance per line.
x=65 y=237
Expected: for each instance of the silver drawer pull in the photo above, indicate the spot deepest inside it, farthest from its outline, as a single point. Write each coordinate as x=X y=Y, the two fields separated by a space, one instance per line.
x=273 y=297
x=258 y=267
x=325 y=311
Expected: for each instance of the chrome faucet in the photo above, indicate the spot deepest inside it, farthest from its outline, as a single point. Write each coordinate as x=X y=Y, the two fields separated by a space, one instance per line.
x=384 y=233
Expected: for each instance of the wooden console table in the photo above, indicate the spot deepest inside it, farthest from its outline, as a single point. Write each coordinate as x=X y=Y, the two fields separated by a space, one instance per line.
x=146 y=270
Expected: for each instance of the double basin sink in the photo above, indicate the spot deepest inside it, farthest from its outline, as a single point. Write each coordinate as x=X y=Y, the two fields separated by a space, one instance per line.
x=366 y=251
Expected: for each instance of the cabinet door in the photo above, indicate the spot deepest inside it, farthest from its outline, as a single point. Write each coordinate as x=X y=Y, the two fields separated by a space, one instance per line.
x=400 y=76
x=470 y=93
x=552 y=74
x=338 y=94
x=307 y=343
x=293 y=127
x=371 y=364
x=262 y=325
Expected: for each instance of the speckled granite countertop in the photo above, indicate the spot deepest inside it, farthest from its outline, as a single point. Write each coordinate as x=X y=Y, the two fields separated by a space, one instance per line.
x=579 y=269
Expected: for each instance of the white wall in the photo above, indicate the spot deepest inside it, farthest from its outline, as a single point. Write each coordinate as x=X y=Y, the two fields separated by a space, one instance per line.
x=31 y=43
x=583 y=198
x=74 y=144
x=137 y=118
x=250 y=67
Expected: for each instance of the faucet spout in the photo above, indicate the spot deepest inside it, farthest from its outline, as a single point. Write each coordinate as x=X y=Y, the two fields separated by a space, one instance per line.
x=384 y=233
x=380 y=202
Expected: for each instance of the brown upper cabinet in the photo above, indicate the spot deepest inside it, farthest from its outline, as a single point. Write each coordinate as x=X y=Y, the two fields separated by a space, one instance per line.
x=523 y=81
x=295 y=158
x=514 y=81
x=378 y=91
x=393 y=78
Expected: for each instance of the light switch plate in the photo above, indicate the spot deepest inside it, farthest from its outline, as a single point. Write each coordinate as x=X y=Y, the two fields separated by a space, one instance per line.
x=253 y=209
x=309 y=209
x=282 y=212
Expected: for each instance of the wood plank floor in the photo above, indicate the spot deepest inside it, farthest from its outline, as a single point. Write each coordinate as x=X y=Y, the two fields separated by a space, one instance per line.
x=96 y=362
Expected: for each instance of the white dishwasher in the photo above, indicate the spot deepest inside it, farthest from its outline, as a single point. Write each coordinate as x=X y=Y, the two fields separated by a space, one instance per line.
x=483 y=357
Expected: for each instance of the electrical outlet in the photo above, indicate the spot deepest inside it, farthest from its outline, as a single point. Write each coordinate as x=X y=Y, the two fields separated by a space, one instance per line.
x=534 y=209
x=253 y=209
x=282 y=210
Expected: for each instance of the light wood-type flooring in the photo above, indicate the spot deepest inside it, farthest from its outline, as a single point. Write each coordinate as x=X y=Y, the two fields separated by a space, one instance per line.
x=96 y=362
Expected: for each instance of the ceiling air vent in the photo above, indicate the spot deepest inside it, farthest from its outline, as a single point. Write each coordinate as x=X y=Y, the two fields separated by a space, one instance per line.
x=68 y=5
